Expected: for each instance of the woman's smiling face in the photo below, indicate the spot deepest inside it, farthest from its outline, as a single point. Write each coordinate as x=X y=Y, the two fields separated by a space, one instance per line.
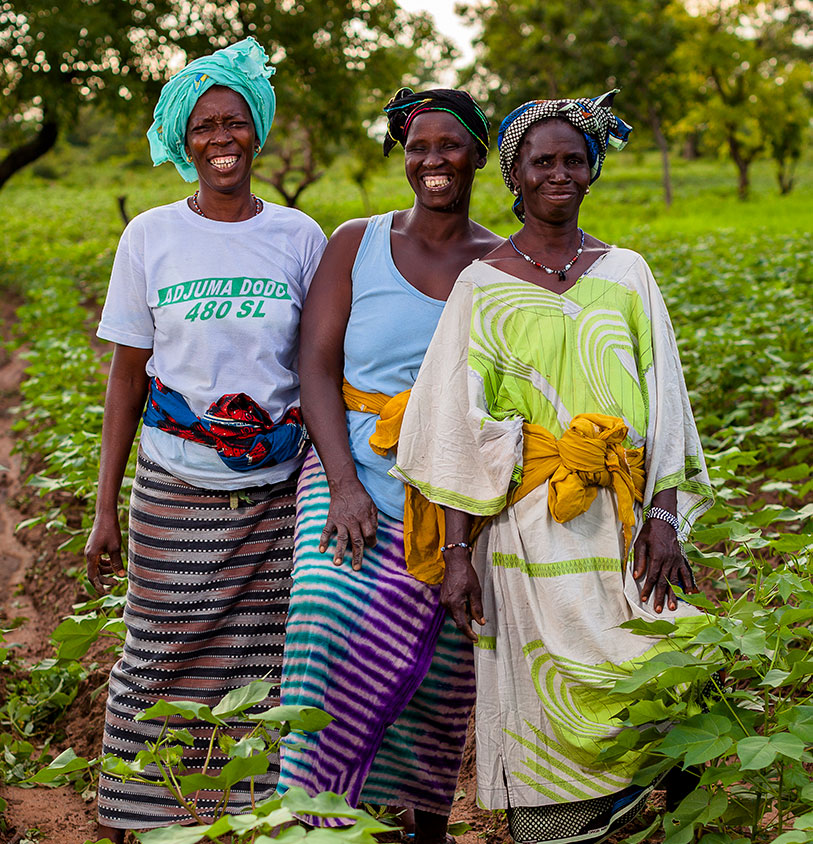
x=220 y=139
x=552 y=171
x=440 y=159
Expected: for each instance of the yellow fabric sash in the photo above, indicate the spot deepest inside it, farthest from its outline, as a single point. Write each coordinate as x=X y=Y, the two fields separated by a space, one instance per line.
x=390 y=409
x=588 y=455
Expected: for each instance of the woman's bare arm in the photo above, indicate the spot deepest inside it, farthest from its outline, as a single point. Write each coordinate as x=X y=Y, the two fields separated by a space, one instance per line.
x=352 y=516
x=123 y=406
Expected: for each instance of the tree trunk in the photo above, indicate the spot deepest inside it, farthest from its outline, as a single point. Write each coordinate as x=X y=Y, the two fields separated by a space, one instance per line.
x=784 y=175
x=663 y=146
x=29 y=152
x=742 y=163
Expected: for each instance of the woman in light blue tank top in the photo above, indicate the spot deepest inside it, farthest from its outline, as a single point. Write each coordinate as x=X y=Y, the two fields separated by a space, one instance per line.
x=368 y=642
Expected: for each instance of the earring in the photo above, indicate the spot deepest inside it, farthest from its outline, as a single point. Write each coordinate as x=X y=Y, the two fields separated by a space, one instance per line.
x=189 y=158
x=515 y=191
x=587 y=191
x=257 y=149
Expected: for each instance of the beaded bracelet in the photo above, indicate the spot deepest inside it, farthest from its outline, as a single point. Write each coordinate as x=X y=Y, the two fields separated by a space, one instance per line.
x=445 y=548
x=664 y=515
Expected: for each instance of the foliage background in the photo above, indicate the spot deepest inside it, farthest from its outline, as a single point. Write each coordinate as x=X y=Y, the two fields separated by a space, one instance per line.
x=735 y=269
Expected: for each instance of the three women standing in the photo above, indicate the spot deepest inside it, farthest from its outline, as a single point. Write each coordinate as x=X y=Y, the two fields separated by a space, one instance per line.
x=551 y=403
x=203 y=307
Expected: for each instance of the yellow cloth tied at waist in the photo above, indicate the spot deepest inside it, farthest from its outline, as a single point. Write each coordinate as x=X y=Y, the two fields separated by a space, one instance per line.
x=588 y=455
x=390 y=410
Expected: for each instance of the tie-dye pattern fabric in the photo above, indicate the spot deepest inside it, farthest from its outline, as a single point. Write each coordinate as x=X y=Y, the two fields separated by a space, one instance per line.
x=375 y=650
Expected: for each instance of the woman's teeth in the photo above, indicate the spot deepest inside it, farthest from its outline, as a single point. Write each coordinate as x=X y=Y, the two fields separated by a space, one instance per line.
x=435 y=182
x=225 y=162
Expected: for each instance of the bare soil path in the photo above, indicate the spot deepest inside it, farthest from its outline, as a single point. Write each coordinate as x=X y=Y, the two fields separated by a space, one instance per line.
x=28 y=597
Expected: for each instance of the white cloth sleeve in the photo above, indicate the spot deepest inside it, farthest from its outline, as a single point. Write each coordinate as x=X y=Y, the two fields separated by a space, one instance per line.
x=126 y=317
x=674 y=454
x=451 y=449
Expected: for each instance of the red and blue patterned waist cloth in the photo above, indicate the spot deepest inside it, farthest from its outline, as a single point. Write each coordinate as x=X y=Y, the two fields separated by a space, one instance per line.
x=244 y=436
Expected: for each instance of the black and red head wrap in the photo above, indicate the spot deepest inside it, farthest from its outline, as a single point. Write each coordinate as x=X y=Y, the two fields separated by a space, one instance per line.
x=407 y=104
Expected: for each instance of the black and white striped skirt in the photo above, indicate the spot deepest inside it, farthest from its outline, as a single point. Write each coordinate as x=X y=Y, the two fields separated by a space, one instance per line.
x=206 y=607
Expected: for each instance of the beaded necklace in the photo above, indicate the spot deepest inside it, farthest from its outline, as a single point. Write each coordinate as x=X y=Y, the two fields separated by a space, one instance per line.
x=562 y=272
x=258 y=206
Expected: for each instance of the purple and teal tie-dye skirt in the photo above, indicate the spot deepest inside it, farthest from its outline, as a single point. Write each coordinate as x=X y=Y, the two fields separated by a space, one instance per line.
x=375 y=649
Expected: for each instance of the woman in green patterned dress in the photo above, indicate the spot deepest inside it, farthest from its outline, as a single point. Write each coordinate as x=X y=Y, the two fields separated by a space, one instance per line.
x=552 y=402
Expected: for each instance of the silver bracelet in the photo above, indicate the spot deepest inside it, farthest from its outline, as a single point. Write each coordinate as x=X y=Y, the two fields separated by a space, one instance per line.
x=664 y=515
x=445 y=548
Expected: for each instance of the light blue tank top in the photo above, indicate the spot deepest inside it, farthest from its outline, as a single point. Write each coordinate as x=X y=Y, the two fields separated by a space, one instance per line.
x=390 y=326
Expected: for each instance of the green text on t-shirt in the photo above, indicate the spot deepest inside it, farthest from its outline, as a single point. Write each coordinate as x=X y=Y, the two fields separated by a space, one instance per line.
x=222 y=288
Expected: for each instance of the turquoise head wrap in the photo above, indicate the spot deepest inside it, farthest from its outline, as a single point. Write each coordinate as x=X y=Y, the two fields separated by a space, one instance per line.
x=243 y=67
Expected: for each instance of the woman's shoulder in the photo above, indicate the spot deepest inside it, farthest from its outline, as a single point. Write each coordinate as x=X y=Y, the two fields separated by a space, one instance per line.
x=159 y=215
x=623 y=265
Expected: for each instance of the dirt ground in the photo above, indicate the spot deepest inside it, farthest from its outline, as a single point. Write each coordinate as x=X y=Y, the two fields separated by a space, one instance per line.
x=35 y=586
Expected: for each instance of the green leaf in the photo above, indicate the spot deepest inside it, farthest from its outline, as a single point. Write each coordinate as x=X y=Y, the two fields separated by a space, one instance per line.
x=459 y=828
x=775 y=678
x=788 y=745
x=646 y=711
x=290 y=835
x=699 y=807
x=640 y=626
x=696 y=599
x=710 y=635
x=188 y=709
x=231 y=773
x=698 y=740
x=792 y=542
x=788 y=616
x=652 y=668
x=183 y=736
x=755 y=753
x=172 y=835
x=67 y=762
x=724 y=775
x=246 y=747
x=243 y=698
x=329 y=805
x=308 y=718
x=76 y=634
x=795 y=836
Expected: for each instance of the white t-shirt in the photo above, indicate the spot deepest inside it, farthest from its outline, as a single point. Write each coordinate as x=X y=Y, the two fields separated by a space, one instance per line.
x=219 y=305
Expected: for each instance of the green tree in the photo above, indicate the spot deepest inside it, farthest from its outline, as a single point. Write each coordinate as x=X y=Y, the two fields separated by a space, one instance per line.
x=746 y=63
x=54 y=59
x=784 y=115
x=337 y=62
x=574 y=47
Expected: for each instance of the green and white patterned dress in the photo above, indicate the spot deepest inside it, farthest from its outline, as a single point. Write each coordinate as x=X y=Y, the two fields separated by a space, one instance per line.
x=506 y=351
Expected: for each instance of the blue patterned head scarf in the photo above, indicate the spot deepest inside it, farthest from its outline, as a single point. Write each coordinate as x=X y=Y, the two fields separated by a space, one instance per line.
x=243 y=67
x=591 y=116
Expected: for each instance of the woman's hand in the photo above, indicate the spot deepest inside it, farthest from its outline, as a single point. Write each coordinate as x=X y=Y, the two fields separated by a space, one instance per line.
x=353 y=518
x=658 y=554
x=103 y=552
x=460 y=593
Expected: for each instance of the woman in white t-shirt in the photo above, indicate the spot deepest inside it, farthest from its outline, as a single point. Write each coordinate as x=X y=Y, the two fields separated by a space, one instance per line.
x=203 y=308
